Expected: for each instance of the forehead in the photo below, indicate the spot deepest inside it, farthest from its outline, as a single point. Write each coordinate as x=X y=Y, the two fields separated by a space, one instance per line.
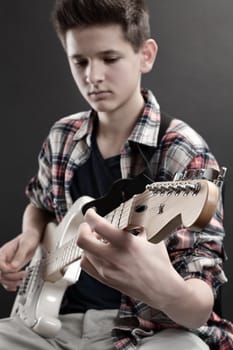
x=92 y=39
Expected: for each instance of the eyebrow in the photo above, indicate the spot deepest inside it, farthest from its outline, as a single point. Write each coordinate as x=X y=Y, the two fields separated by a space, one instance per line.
x=100 y=53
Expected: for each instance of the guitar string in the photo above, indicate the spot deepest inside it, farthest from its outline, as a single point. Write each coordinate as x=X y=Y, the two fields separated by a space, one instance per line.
x=122 y=209
x=71 y=250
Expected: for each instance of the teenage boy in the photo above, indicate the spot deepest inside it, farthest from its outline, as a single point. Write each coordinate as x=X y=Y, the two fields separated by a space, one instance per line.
x=131 y=294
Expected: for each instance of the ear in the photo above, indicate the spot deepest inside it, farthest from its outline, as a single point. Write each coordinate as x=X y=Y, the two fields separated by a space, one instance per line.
x=148 y=55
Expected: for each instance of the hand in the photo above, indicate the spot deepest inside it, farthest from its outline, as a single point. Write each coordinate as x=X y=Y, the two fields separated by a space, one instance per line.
x=14 y=255
x=142 y=270
x=126 y=262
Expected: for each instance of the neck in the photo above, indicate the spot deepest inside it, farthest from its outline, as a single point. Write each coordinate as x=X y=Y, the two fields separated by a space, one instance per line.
x=114 y=128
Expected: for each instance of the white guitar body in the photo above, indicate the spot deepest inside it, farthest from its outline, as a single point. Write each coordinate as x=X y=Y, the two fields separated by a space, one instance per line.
x=162 y=207
x=39 y=302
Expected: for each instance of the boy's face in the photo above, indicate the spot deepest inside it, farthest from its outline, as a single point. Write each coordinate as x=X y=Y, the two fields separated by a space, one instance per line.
x=104 y=66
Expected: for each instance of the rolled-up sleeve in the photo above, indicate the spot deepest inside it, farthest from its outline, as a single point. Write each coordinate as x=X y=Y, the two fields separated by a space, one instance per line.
x=39 y=188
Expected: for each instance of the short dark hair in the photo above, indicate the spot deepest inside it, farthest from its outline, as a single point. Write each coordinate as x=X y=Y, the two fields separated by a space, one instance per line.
x=131 y=15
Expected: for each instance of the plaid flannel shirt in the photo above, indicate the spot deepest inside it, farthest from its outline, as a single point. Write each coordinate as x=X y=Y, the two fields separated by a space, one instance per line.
x=194 y=255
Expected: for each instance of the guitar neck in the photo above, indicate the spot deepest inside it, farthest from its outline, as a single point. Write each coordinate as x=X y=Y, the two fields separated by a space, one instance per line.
x=56 y=262
x=159 y=209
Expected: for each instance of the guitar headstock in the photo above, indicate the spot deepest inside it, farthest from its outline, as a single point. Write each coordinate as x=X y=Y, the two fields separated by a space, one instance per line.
x=166 y=205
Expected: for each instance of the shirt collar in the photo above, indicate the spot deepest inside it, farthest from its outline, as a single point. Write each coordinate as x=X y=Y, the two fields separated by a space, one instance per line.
x=146 y=129
x=86 y=126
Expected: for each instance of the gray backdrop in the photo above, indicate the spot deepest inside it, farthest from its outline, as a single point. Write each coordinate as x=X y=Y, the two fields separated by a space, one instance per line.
x=192 y=78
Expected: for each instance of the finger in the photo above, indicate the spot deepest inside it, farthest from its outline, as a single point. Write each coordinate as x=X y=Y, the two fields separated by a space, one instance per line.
x=13 y=276
x=7 y=254
x=93 y=267
x=20 y=260
x=11 y=286
x=22 y=254
x=89 y=241
x=88 y=267
x=100 y=270
x=105 y=229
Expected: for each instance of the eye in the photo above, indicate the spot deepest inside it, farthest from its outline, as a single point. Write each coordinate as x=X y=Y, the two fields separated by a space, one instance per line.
x=110 y=60
x=80 y=62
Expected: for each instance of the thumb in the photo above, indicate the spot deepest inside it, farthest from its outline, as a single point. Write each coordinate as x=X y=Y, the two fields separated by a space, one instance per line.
x=19 y=255
x=7 y=254
x=20 y=259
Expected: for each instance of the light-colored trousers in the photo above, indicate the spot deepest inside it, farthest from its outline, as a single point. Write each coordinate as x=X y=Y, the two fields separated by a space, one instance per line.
x=89 y=331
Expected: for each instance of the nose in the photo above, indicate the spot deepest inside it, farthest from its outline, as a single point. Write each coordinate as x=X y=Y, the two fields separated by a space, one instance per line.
x=95 y=72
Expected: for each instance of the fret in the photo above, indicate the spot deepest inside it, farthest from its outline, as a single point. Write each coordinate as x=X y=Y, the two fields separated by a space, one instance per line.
x=136 y=214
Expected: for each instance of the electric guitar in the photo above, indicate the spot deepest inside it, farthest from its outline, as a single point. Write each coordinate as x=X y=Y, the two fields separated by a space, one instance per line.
x=162 y=207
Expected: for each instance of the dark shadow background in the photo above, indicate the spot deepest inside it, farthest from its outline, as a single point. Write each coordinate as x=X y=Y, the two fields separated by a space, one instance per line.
x=192 y=79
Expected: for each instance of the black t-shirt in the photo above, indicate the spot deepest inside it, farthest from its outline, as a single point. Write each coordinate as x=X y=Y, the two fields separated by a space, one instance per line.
x=94 y=178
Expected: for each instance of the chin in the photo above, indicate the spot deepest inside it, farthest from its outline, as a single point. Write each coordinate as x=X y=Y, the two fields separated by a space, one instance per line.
x=102 y=107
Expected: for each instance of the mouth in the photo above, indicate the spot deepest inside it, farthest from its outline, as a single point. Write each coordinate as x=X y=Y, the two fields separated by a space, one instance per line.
x=99 y=95
x=98 y=92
